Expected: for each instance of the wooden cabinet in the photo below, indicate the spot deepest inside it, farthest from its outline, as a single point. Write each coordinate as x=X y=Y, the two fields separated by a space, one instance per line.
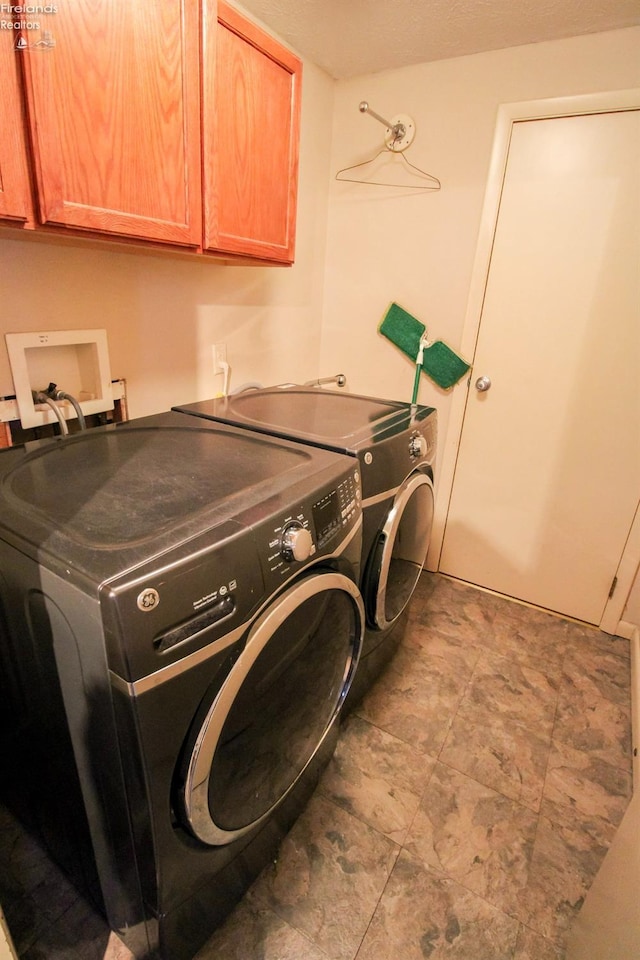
x=15 y=202
x=251 y=128
x=114 y=119
x=174 y=123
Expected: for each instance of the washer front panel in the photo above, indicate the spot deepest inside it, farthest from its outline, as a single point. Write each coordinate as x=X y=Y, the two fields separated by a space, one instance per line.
x=400 y=551
x=272 y=713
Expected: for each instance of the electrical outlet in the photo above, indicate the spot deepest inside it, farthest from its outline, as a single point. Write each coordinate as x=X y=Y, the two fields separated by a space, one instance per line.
x=219 y=351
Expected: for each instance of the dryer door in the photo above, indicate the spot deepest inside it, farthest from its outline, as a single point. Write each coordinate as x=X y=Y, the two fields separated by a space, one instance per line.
x=275 y=708
x=399 y=552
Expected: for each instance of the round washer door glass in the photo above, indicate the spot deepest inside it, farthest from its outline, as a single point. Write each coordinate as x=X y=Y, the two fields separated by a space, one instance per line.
x=275 y=707
x=400 y=551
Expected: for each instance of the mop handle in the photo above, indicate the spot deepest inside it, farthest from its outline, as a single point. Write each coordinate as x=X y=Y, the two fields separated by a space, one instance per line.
x=419 y=361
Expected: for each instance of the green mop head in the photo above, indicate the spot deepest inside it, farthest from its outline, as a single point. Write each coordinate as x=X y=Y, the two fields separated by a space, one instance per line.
x=440 y=363
x=403 y=330
x=443 y=365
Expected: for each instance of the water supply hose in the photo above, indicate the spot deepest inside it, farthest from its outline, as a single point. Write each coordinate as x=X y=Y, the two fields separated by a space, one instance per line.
x=55 y=394
x=40 y=397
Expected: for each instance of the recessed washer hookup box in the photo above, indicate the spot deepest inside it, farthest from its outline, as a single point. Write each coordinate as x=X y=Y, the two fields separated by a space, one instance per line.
x=76 y=360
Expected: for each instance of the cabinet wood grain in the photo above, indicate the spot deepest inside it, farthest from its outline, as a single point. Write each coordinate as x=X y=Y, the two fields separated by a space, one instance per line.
x=114 y=119
x=251 y=128
x=15 y=203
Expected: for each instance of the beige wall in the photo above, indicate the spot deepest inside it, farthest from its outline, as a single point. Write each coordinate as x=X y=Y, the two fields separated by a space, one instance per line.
x=632 y=610
x=163 y=314
x=418 y=248
x=319 y=318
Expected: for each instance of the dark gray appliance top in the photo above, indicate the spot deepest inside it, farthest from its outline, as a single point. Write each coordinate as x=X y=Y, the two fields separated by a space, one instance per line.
x=105 y=500
x=343 y=422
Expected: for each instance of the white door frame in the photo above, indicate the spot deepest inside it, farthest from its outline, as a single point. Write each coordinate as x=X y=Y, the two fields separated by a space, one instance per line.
x=508 y=114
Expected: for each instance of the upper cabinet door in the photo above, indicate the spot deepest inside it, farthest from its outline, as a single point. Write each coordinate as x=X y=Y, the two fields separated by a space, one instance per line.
x=114 y=117
x=251 y=128
x=14 y=176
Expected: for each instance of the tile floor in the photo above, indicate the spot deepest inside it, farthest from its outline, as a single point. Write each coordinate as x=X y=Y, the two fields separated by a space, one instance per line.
x=471 y=799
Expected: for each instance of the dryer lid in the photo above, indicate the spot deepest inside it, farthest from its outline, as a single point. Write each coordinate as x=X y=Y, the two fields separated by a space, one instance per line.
x=339 y=421
x=109 y=498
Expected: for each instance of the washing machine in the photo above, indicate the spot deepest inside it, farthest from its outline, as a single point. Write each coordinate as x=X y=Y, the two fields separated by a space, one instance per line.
x=394 y=444
x=179 y=603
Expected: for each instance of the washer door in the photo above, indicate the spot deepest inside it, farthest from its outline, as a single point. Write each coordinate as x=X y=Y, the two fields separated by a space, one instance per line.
x=275 y=707
x=399 y=552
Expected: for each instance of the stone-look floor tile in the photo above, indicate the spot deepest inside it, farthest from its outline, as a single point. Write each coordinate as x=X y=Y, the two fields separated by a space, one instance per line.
x=52 y=949
x=253 y=933
x=34 y=892
x=501 y=754
x=80 y=934
x=582 y=638
x=599 y=673
x=331 y=877
x=330 y=873
x=26 y=922
x=531 y=946
x=585 y=790
x=25 y=863
x=475 y=836
x=529 y=636
x=423 y=914
x=592 y=723
x=441 y=650
x=54 y=894
x=116 y=950
x=425 y=586
x=437 y=661
x=564 y=863
x=514 y=691
x=377 y=777
x=414 y=702
x=456 y=611
x=93 y=935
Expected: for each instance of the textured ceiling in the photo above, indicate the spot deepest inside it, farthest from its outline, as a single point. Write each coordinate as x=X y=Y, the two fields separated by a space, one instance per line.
x=348 y=38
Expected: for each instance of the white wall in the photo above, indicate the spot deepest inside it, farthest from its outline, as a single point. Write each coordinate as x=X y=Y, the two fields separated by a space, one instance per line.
x=162 y=314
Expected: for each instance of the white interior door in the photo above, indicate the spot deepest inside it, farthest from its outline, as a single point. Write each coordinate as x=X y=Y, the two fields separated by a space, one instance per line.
x=547 y=479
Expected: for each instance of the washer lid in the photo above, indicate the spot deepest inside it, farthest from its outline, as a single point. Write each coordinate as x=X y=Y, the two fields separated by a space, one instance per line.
x=107 y=498
x=338 y=421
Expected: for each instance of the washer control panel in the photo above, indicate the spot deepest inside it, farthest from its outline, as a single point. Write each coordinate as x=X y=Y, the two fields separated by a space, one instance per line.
x=296 y=542
x=418 y=446
x=349 y=497
x=206 y=589
x=422 y=439
x=313 y=528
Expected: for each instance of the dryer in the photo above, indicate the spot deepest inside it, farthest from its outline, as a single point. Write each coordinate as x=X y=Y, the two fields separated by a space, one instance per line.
x=179 y=600
x=394 y=444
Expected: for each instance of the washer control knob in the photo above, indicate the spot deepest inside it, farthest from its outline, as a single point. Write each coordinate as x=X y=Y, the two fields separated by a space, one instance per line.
x=417 y=446
x=296 y=543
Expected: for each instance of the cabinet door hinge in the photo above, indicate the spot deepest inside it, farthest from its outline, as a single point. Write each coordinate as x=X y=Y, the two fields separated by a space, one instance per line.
x=614 y=584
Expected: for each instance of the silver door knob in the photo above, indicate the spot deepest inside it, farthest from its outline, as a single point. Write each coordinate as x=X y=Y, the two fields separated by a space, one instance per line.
x=482 y=384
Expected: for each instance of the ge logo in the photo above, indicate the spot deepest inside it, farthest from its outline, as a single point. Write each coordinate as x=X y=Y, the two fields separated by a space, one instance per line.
x=148 y=600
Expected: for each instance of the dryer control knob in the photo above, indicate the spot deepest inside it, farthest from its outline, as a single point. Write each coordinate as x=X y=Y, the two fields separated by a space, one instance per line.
x=418 y=446
x=296 y=543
